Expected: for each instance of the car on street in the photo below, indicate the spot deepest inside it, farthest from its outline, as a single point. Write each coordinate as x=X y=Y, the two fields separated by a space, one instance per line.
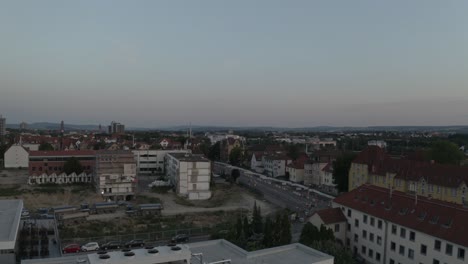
x=180 y=238
x=91 y=246
x=135 y=243
x=111 y=245
x=72 y=248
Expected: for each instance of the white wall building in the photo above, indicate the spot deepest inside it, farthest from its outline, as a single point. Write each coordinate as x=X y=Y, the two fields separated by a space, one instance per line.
x=400 y=228
x=378 y=143
x=151 y=162
x=215 y=138
x=331 y=218
x=295 y=171
x=16 y=157
x=190 y=174
x=275 y=166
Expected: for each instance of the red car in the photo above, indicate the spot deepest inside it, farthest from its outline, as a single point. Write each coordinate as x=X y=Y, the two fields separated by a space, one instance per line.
x=72 y=248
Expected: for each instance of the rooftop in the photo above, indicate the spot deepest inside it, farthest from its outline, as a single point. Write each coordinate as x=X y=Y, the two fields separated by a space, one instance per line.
x=331 y=215
x=10 y=216
x=189 y=157
x=61 y=153
x=433 y=217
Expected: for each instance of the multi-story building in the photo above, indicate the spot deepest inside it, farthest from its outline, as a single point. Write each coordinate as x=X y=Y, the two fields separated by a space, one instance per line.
x=314 y=170
x=115 y=174
x=391 y=227
x=275 y=165
x=295 y=171
x=190 y=174
x=116 y=128
x=2 y=128
x=378 y=143
x=436 y=181
x=333 y=219
x=151 y=162
x=16 y=157
x=9 y=228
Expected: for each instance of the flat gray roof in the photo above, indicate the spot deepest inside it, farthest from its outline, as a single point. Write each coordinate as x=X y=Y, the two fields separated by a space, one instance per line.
x=189 y=157
x=10 y=217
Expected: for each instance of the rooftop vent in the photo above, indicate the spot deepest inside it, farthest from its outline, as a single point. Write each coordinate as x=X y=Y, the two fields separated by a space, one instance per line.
x=434 y=219
x=129 y=254
x=153 y=251
x=104 y=256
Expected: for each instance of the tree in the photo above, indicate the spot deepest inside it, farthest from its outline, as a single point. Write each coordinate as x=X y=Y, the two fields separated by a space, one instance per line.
x=235 y=157
x=246 y=226
x=44 y=146
x=72 y=165
x=285 y=237
x=309 y=234
x=268 y=233
x=99 y=145
x=293 y=151
x=445 y=152
x=257 y=222
x=341 y=170
x=214 y=152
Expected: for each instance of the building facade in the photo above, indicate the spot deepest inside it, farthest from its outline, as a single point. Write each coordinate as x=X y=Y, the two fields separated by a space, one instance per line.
x=16 y=157
x=395 y=227
x=275 y=165
x=151 y=162
x=9 y=228
x=116 y=128
x=190 y=175
x=115 y=174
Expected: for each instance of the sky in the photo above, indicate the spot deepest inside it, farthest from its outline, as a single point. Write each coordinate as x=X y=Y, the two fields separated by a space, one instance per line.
x=235 y=63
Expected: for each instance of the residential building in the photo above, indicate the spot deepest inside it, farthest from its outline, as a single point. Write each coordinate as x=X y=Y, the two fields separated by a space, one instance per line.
x=190 y=174
x=215 y=138
x=378 y=143
x=333 y=219
x=212 y=251
x=314 y=174
x=115 y=174
x=256 y=163
x=151 y=162
x=295 y=171
x=275 y=165
x=2 y=128
x=227 y=145
x=16 y=157
x=9 y=228
x=437 y=181
x=317 y=143
x=391 y=227
x=116 y=128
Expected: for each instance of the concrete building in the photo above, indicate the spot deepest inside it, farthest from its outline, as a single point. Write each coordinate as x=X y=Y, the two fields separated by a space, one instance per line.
x=395 y=227
x=151 y=162
x=217 y=137
x=190 y=174
x=295 y=171
x=116 y=128
x=256 y=163
x=9 y=228
x=443 y=182
x=16 y=157
x=115 y=174
x=208 y=252
x=378 y=143
x=275 y=165
x=52 y=162
x=2 y=128
x=333 y=219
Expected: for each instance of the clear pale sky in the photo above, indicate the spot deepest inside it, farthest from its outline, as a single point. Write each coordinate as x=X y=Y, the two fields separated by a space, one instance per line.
x=250 y=63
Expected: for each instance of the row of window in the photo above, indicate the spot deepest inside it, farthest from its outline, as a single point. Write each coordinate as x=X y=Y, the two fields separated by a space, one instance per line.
x=449 y=249
x=412 y=234
x=57 y=168
x=370 y=253
x=371 y=237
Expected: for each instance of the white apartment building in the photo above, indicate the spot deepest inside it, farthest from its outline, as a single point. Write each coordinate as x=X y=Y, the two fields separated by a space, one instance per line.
x=151 y=162
x=16 y=157
x=190 y=174
x=275 y=166
x=295 y=170
x=331 y=218
x=214 y=138
x=378 y=143
x=398 y=228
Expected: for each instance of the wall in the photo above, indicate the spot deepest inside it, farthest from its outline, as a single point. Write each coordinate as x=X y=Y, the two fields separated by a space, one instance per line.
x=16 y=157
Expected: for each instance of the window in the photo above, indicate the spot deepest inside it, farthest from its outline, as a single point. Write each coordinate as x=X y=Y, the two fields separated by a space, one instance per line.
x=349 y=227
x=461 y=253
x=377 y=256
x=392 y=246
x=371 y=237
x=33 y=168
x=356 y=223
x=356 y=237
x=391 y=261
x=448 y=249
x=402 y=232
x=402 y=250
x=394 y=229
x=437 y=245
x=364 y=234
x=379 y=240
x=435 y=261
x=371 y=253
x=410 y=254
x=349 y=212
x=337 y=227
x=423 y=249
x=364 y=219
x=363 y=250
x=348 y=242
x=372 y=221
x=412 y=236
x=379 y=224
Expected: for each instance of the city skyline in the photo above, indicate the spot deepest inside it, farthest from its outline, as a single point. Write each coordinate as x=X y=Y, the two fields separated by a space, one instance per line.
x=263 y=63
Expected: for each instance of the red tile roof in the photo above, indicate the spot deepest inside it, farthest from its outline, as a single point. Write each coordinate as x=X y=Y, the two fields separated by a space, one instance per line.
x=328 y=168
x=331 y=216
x=62 y=153
x=403 y=210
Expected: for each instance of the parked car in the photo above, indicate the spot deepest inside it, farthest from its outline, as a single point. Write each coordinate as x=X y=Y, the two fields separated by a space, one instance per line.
x=111 y=245
x=135 y=243
x=72 y=248
x=180 y=238
x=90 y=246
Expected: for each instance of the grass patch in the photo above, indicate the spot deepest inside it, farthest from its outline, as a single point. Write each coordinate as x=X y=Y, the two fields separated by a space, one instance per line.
x=12 y=191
